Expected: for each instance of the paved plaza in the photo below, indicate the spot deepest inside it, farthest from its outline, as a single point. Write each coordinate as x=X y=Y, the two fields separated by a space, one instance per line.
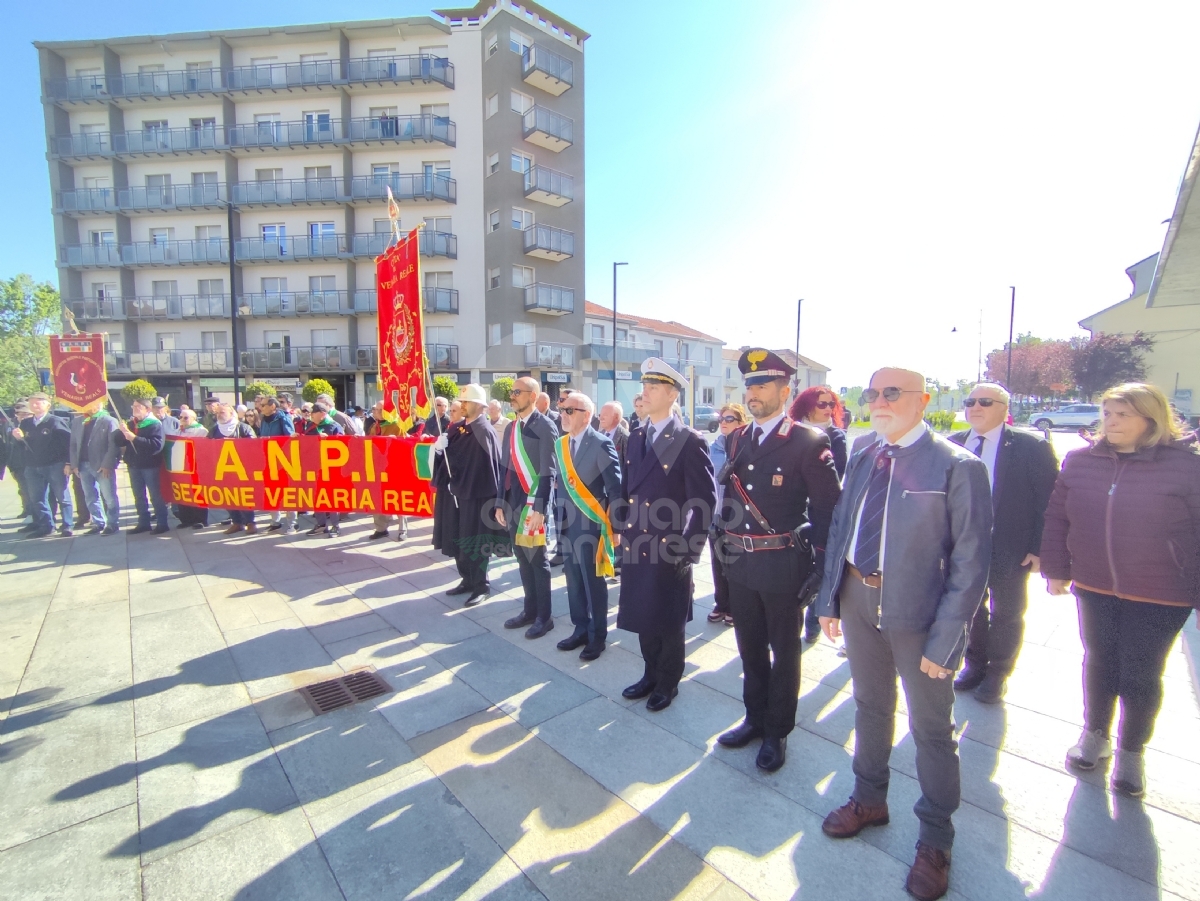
x=153 y=746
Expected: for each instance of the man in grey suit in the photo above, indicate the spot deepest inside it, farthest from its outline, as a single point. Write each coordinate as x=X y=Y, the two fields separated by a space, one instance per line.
x=589 y=481
x=93 y=458
x=905 y=568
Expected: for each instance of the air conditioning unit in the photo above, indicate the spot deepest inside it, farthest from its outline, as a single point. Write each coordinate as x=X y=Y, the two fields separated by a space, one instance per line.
x=364 y=358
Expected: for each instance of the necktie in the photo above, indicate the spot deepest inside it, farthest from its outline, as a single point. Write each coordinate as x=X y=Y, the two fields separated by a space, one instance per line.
x=574 y=446
x=755 y=435
x=979 y=447
x=869 y=546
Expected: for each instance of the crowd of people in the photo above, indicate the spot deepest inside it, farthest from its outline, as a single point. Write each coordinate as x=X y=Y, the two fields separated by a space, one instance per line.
x=913 y=547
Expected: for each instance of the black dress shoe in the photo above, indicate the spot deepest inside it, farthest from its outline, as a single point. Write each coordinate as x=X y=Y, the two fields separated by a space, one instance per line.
x=539 y=628
x=772 y=754
x=572 y=642
x=28 y=535
x=740 y=736
x=460 y=588
x=556 y=560
x=138 y=530
x=638 y=689
x=26 y=529
x=592 y=651
x=970 y=678
x=475 y=598
x=659 y=701
x=375 y=536
x=519 y=622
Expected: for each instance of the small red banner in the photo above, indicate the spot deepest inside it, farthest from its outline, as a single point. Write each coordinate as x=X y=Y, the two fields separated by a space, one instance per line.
x=77 y=368
x=402 y=375
x=322 y=475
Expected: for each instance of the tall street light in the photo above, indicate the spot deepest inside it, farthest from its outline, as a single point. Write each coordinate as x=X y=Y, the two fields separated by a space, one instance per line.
x=233 y=309
x=614 y=359
x=1012 y=315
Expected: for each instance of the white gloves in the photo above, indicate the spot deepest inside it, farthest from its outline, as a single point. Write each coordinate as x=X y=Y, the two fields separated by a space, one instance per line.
x=440 y=445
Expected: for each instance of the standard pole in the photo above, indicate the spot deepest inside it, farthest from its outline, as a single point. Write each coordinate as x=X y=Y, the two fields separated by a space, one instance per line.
x=233 y=304
x=1012 y=315
x=798 y=305
x=614 y=341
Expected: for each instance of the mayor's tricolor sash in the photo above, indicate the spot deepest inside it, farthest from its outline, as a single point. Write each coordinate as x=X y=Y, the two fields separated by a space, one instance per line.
x=528 y=476
x=587 y=503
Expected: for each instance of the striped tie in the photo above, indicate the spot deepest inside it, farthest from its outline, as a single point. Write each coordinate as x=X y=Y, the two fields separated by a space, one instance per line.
x=870 y=522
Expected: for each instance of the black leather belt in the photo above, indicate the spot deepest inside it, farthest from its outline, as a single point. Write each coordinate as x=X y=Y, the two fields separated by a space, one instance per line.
x=751 y=543
x=871 y=580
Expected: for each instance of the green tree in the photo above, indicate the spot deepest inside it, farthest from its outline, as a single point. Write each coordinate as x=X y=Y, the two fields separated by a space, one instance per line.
x=314 y=388
x=29 y=311
x=445 y=386
x=139 y=389
x=254 y=389
x=502 y=389
x=1108 y=360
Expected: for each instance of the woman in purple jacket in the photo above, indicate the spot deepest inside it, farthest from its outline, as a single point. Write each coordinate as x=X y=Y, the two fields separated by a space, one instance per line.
x=1123 y=525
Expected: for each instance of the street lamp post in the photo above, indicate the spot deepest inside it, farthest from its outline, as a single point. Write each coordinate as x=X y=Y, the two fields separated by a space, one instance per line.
x=798 y=305
x=1012 y=315
x=233 y=308
x=614 y=343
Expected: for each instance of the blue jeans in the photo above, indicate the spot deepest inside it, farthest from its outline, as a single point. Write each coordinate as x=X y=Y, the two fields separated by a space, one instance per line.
x=101 y=496
x=41 y=481
x=242 y=517
x=144 y=481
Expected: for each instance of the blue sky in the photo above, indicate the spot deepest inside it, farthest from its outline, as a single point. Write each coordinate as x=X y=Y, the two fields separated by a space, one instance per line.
x=896 y=165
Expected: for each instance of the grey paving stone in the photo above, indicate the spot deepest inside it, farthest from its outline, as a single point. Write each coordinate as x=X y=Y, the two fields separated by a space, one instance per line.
x=22 y=621
x=81 y=652
x=426 y=697
x=272 y=857
x=170 y=594
x=74 y=862
x=88 y=586
x=426 y=621
x=284 y=709
x=339 y=630
x=197 y=781
x=272 y=659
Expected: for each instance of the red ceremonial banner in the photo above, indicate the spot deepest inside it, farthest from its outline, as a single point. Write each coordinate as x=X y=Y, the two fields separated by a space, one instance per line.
x=77 y=367
x=323 y=475
x=403 y=379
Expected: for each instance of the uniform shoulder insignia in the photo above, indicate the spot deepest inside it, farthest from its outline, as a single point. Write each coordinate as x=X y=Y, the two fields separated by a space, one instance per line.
x=785 y=427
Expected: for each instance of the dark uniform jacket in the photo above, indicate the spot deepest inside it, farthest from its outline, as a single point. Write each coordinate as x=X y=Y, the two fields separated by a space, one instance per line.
x=598 y=468
x=791 y=478
x=146 y=449
x=473 y=455
x=669 y=495
x=48 y=442
x=1026 y=468
x=539 y=435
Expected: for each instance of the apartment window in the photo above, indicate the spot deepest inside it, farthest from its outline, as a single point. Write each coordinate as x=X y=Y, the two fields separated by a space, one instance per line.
x=320 y=284
x=315 y=67
x=214 y=340
x=707 y=395
x=197 y=74
x=273 y=285
x=493 y=164
x=517 y=42
x=685 y=352
x=521 y=162
x=324 y=337
x=437 y=110
x=440 y=334
x=281 y=343
x=322 y=237
x=523 y=333
x=728 y=374
x=96 y=182
x=114 y=344
x=210 y=287
x=268 y=175
x=165 y=288
x=158 y=187
x=493 y=44
x=439 y=224
x=103 y=290
x=269 y=127
x=155 y=132
x=208 y=233
x=312 y=173
x=204 y=186
x=439 y=279
x=493 y=220
x=493 y=334
x=521 y=219
x=168 y=341
x=597 y=334
x=384 y=171
x=382 y=226
x=658 y=347
x=318 y=126
x=519 y=102
x=274 y=233
x=491 y=106
x=708 y=358
x=102 y=237
x=522 y=276
x=160 y=236
x=493 y=278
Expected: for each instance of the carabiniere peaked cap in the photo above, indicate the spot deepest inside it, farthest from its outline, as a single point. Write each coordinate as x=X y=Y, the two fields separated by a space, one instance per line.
x=655 y=369
x=759 y=365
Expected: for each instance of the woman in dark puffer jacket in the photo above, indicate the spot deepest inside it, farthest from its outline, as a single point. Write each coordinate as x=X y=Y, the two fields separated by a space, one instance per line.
x=1124 y=526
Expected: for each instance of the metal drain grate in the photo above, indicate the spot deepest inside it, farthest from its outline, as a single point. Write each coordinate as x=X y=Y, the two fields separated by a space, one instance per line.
x=323 y=697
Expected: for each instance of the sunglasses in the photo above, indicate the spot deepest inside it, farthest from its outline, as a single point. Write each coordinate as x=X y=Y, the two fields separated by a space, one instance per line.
x=519 y=391
x=571 y=411
x=891 y=395
x=982 y=401
x=825 y=405
x=730 y=419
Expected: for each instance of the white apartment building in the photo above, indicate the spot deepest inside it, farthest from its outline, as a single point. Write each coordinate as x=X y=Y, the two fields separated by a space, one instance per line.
x=167 y=151
x=691 y=352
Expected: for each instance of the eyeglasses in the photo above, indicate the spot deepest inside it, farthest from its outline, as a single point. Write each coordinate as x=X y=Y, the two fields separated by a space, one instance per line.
x=982 y=401
x=826 y=404
x=730 y=419
x=571 y=411
x=515 y=391
x=891 y=395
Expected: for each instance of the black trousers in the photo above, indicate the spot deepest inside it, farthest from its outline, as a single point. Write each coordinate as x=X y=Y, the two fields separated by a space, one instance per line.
x=472 y=569
x=587 y=592
x=720 y=583
x=768 y=639
x=999 y=624
x=535 y=577
x=1125 y=647
x=663 y=656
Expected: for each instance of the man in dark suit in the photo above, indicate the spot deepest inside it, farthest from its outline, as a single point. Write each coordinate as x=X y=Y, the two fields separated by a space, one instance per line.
x=589 y=481
x=635 y=419
x=609 y=424
x=779 y=479
x=1022 y=468
x=669 y=495
x=527 y=472
x=473 y=460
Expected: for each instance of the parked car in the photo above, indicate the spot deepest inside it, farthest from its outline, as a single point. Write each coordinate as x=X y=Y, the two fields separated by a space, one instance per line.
x=1071 y=416
x=706 y=417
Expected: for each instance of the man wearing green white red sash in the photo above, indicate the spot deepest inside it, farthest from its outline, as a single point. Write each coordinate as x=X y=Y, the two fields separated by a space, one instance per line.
x=527 y=469
x=589 y=479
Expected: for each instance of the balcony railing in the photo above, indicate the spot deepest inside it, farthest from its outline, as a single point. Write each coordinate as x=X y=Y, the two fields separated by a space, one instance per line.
x=365 y=301
x=405 y=187
x=548 y=129
x=298 y=247
x=560 y=356
x=284 y=75
x=167 y=84
x=432 y=244
x=178 y=306
x=164 y=361
x=167 y=253
x=548 y=242
x=387 y=129
x=295 y=303
x=554 y=300
x=442 y=356
x=98 y=309
x=285 y=134
x=288 y=191
x=423 y=67
x=149 y=141
x=87 y=200
x=440 y=300
x=549 y=186
x=329 y=358
x=169 y=197
x=543 y=68
x=79 y=88
x=89 y=255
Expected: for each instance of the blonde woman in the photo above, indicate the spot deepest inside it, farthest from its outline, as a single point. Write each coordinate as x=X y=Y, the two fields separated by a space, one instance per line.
x=1123 y=532
x=731 y=418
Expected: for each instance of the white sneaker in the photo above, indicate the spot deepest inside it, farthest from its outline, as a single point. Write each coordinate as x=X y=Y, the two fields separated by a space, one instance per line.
x=1129 y=775
x=1090 y=749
